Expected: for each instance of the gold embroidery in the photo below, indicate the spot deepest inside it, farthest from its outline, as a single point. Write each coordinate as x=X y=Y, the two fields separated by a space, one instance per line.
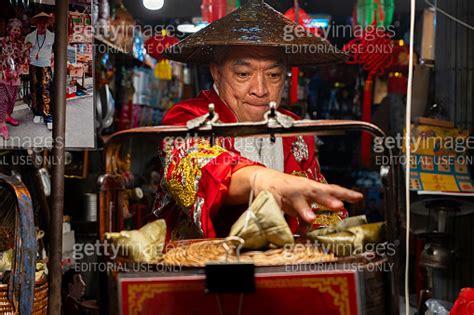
x=327 y=218
x=183 y=184
x=299 y=173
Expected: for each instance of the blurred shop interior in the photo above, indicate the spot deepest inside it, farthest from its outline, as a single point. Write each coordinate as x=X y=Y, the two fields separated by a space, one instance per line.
x=134 y=86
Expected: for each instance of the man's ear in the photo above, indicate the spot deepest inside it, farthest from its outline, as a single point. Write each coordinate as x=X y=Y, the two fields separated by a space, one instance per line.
x=215 y=73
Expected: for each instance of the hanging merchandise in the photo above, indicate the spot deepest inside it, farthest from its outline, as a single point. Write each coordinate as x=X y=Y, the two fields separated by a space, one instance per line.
x=370 y=12
x=138 y=46
x=142 y=79
x=218 y=9
x=205 y=10
x=105 y=103
x=102 y=26
x=213 y=10
x=126 y=98
x=122 y=28
x=163 y=70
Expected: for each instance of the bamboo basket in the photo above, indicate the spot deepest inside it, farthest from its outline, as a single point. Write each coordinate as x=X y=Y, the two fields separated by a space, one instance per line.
x=17 y=231
x=40 y=304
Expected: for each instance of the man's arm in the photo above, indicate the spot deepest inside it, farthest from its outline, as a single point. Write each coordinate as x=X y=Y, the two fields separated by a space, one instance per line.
x=294 y=194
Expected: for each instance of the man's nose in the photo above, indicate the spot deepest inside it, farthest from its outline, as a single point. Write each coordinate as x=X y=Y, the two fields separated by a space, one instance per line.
x=259 y=86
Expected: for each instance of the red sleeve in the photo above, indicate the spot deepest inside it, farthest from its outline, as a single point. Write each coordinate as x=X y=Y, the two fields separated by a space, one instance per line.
x=196 y=174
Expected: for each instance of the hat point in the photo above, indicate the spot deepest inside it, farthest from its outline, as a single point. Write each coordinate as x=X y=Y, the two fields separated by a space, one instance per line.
x=255 y=2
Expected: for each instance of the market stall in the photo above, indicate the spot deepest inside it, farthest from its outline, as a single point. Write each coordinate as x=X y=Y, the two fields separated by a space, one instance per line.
x=246 y=157
x=342 y=285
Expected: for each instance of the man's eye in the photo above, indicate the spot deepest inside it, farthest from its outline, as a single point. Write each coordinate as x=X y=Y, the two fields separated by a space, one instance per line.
x=275 y=75
x=243 y=74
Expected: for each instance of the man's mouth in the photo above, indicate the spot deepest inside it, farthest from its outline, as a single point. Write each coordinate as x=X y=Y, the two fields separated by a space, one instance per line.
x=257 y=105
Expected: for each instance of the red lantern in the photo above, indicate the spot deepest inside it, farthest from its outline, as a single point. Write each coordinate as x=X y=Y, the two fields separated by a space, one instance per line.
x=213 y=10
x=156 y=45
x=206 y=10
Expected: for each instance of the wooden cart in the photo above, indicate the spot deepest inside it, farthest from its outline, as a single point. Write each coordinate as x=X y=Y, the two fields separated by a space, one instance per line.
x=355 y=291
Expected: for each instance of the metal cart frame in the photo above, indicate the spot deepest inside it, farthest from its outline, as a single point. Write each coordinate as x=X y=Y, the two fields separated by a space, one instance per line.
x=112 y=184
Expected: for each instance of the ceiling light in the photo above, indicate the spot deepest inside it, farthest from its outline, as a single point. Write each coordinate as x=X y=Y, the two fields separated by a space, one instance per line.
x=153 y=4
x=191 y=28
x=187 y=28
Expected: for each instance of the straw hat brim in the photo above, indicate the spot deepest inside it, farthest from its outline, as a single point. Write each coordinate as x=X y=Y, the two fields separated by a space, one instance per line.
x=259 y=25
x=41 y=15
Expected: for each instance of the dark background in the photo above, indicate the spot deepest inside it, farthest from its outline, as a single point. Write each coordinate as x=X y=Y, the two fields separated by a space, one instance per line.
x=186 y=9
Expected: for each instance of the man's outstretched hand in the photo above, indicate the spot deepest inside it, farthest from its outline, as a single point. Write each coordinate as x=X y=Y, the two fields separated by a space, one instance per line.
x=294 y=194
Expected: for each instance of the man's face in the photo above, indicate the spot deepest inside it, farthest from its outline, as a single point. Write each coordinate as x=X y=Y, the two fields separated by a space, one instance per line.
x=249 y=78
x=77 y=288
x=41 y=24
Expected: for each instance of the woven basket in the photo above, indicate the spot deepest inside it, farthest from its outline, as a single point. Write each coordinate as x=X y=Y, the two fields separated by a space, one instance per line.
x=198 y=253
x=40 y=304
x=17 y=231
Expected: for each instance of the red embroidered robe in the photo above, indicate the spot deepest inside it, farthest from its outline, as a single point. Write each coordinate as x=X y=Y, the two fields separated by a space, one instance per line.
x=196 y=176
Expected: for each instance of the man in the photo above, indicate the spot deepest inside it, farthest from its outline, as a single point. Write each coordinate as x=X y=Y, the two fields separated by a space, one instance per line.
x=206 y=188
x=40 y=42
x=73 y=290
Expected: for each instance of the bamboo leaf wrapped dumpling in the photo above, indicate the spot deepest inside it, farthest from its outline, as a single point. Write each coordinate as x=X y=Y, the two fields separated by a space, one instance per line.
x=263 y=224
x=144 y=245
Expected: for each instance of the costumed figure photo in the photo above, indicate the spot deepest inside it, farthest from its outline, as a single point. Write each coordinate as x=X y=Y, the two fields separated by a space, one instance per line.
x=41 y=42
x=12 y=55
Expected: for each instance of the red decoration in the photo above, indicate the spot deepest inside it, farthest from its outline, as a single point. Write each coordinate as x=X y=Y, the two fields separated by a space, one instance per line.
x=156 y=45
x=303 y=19
x=465 y=303
x=374 y=51
x=295 y=73
x=295 y=292
x=213 y=10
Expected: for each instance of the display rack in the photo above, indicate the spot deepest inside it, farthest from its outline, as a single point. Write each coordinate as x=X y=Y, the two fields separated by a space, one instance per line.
x=148 y=61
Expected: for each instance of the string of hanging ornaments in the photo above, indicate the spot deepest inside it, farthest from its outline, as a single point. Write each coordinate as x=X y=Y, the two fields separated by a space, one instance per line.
x=372 y=48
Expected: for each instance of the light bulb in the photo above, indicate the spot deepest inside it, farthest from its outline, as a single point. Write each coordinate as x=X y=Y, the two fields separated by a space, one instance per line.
x=153 y=4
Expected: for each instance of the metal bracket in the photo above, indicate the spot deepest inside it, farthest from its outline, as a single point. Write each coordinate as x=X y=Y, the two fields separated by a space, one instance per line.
x=274 y=117
x=205 y=120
